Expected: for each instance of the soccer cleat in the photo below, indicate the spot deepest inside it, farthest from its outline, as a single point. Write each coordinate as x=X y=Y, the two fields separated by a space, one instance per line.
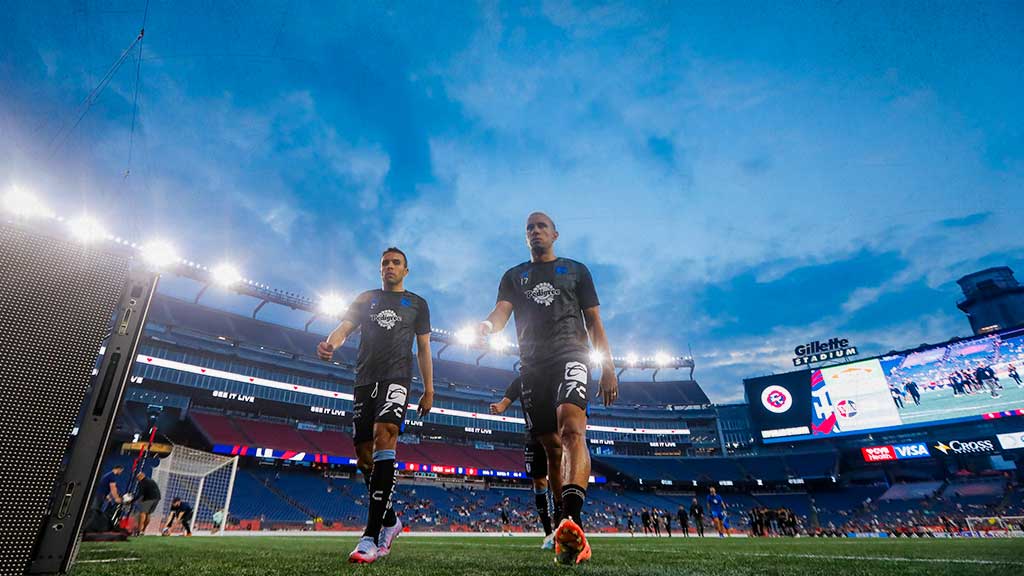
x=549 y=542
x=365 y=553
x=571 y=545
x=387 y=536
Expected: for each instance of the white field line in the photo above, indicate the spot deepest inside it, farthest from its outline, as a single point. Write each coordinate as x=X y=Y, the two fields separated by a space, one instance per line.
x=105 y=560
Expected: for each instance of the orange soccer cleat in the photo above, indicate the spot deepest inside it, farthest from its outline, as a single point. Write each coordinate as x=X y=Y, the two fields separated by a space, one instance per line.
x=571 y=546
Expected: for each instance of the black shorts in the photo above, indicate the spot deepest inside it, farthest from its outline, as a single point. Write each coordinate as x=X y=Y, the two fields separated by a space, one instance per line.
x=384 y=401
x=548 y=386
x=535 y=458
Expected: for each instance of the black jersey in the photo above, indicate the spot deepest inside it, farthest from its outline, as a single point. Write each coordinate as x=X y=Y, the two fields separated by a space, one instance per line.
x=548 y=299
x=515 y=389
x=390 y=321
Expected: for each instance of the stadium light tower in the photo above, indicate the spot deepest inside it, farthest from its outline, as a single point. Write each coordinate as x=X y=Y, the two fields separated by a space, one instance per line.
x=86 y=230
x=159 y=253
x=25 y=204
x=331 y=305
x=224 y=275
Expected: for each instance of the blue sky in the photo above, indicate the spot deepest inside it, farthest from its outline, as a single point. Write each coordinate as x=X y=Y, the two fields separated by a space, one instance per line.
x=739 y=180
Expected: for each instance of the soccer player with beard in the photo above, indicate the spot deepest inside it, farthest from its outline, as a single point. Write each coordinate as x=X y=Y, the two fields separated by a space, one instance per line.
x=538 y=461
x=390 y=319
x=556 y=312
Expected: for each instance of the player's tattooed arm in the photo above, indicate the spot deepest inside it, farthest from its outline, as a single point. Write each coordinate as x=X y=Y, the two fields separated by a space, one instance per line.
x=496 y=320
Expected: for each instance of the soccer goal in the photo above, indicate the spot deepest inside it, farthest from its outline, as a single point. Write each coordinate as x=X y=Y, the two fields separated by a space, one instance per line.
x=203 y=480
x=996 y=526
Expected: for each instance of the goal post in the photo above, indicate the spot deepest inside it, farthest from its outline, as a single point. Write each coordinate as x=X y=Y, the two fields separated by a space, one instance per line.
x=995 y=526
x=204 y=480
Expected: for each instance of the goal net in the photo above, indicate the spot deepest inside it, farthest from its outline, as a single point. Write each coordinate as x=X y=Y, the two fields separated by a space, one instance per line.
x=996 y=526
x=199 y=478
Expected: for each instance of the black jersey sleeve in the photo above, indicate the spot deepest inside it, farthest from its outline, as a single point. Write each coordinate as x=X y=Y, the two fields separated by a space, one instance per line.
x=585 y=290
x=506 y=289
x=423 y=319
x=357 y=310
x=514 y=390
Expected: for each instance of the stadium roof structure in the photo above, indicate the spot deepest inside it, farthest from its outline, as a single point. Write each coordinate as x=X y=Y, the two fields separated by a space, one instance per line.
x=162 y=256
x=232 y=329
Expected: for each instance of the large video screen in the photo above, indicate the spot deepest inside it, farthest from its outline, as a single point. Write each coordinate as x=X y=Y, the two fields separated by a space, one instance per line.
x=974 y=379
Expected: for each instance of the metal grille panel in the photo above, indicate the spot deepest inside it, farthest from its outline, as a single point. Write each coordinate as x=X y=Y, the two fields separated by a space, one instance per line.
x=56 y=303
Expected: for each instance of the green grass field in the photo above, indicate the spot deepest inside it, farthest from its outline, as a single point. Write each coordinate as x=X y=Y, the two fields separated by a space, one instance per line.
x=428 y=556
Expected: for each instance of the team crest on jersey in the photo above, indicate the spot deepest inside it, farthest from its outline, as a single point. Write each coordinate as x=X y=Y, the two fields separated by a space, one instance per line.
x=386 y=319
x=543 y=293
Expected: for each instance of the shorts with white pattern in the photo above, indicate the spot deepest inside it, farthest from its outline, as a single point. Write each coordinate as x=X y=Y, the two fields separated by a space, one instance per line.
x=384 y=401
x=548 y=386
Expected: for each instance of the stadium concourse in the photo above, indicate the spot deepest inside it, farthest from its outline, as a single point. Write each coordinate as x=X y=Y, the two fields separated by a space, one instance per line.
x=236 y=386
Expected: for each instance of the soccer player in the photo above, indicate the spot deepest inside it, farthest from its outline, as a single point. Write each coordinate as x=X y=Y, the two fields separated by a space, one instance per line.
x=181 y=512
x=506 y=522
x=697 y=513
x=390 y=319
x=148 y=496
x=1012 y=372
x=716 y=506
x=914 y=391
x=645 y=518
x=556 y=309
x=538 y=462
x=668 y=522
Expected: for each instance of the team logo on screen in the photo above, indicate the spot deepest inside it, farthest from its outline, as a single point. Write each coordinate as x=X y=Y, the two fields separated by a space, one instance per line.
x=386 y=319
x=846 y=409
x=776 y=399
x=543 y=293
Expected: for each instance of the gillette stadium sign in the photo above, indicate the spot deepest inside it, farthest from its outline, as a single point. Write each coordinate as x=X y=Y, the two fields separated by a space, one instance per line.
x=895 y=452
x=818 y=351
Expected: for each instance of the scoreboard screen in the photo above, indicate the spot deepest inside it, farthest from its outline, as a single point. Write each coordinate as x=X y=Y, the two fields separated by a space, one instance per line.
x=972 y=379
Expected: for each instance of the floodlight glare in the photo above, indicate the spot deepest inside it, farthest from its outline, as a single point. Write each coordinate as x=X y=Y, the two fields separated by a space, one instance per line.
x=466 y=336
x=225 y=275
x=631 y=359
x=662 y=359
x=332 y=305
x=85 y=229
x=25 y=205
x=596 y=357
x=159 y=253
x=498 y=343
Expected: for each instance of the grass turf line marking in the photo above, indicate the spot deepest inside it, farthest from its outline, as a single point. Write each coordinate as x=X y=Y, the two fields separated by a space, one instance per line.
x=805 y=556
x=877 y=558
x=105 y=560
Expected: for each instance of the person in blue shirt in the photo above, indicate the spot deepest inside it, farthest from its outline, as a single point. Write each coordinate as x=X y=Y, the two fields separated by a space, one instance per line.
x=716 y=505
x=106 y=495
x=181 y=512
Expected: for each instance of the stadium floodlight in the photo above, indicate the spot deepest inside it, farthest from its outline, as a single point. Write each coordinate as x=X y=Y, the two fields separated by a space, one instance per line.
x=662 y=359
x=631 y=359
x=24 y=204
x=596 y=357
x=159 y=253
x=86 y=230
x=466 y=336
x=225 y=275
x=498 y=343
x=332 y=305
